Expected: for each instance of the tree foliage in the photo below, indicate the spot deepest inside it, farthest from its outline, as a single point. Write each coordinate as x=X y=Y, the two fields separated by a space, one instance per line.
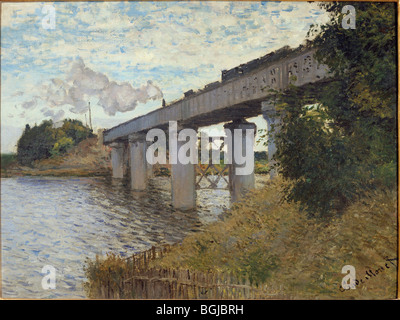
x=45 y=140
x=338 y=139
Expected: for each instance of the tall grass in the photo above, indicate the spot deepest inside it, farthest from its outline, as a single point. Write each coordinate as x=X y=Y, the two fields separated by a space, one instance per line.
x=278 y=246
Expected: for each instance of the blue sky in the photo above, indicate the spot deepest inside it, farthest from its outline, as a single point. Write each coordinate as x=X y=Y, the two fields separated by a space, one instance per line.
x=134 y=52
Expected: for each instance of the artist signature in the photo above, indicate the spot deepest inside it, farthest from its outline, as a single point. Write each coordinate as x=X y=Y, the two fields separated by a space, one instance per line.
x=370 y=274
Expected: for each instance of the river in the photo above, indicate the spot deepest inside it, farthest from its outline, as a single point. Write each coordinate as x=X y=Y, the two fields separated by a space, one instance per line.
x=63 y=221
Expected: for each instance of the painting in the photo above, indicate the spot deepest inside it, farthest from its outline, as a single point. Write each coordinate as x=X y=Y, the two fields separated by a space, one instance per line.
x=183 y=150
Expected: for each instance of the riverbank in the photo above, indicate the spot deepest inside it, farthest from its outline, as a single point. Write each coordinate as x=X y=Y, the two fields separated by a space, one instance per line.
x=90 y=158
x=277 y=248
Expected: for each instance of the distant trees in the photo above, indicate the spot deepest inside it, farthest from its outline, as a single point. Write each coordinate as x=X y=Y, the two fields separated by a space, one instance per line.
x=338 y=141
x=44 y=140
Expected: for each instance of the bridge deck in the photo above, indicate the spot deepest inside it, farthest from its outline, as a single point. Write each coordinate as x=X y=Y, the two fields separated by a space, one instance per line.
x=237 y=96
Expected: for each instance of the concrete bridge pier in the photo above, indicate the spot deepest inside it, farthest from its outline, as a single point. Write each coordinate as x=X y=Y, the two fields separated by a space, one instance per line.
x=138 y=163
x=149 y=166
x=117 y=159
x=183 y=182
x=126 y=159
x=273 y=121
x=240 y=184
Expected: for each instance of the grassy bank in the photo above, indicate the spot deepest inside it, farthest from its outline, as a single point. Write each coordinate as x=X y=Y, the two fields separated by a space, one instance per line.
x=276 y=245
x=89 y=158
x=279 y=248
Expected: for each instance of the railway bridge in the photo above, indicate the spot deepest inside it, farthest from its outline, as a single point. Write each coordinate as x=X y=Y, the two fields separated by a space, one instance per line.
x=243 y=92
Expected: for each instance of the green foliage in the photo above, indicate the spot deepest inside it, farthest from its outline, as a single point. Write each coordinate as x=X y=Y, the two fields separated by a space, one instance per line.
x=261 y=168
x=44 y=141
x=258 y=265
x=7 y=159
x=337 y=141
x=75 y=130
x=260 y=155
x=62 y=146
x=35 y=143
x=385 y=173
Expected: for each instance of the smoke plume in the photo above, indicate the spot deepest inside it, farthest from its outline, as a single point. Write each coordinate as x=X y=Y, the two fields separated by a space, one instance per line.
x=83 y=83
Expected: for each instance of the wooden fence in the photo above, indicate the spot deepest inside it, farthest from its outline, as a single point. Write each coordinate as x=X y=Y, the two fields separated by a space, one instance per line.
x=139 y=281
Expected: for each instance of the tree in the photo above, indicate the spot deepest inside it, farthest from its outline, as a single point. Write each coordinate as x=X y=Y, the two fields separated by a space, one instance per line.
x=44 y=141
x=75 y=130
x=339 y=140
x=35 y=143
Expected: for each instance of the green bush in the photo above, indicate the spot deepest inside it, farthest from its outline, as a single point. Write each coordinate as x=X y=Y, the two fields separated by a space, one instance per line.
x=35 y=143
x=62 y=146
x=258 y=265
x=43 y=141
x=386 y=175
x=338 y=139
x=7 y=159
x=261 y=168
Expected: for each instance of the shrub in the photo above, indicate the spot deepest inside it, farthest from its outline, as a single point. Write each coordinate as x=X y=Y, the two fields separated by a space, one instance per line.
x=43 y=141
x=35 y=143
x=62 y=146
x=7 y=159
x=337 y=138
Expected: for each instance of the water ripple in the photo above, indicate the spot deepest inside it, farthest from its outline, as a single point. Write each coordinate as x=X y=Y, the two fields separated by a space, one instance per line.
x=61 y=221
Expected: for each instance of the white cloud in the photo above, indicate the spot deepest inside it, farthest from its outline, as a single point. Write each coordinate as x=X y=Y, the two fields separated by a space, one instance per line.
x=14 y=14
x=123 y=97
x=178 y=45
x=83 y=83
x=30 y=104
x=54 y=115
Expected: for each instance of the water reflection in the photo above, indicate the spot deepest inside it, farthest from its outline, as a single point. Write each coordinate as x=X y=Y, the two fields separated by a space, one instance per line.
x=61 y=221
